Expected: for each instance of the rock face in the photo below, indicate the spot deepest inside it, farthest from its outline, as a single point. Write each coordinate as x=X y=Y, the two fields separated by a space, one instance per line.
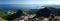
x=15 y=15
x=45 y=12
x=45 y=19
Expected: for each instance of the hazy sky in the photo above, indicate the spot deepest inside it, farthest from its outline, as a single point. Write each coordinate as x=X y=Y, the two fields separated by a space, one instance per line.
x=29 y=1
x=37 y=2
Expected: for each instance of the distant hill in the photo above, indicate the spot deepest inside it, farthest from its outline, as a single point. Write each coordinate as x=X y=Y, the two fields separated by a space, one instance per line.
x=25 y=6
x=10 y=6
x=33 y=11
x=17 y=6
x=54 y=6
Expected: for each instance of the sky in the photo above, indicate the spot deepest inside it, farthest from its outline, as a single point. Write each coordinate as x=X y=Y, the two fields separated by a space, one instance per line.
x=29 y=1
x=34 y=3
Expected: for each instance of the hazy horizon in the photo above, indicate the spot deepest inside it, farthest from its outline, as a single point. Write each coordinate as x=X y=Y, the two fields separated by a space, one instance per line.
x=27 y=4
